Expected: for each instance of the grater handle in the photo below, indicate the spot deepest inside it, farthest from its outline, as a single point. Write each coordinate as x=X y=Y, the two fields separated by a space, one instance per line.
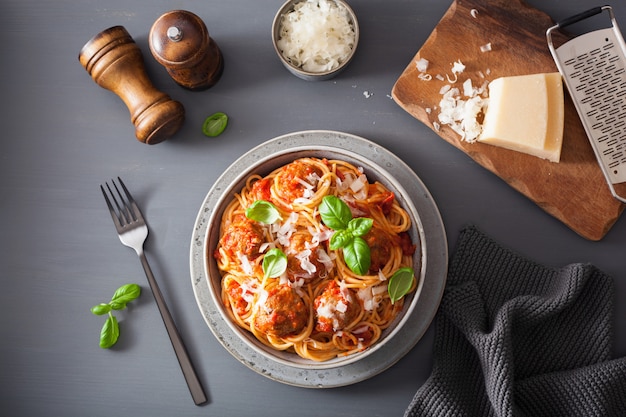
x=580 y=16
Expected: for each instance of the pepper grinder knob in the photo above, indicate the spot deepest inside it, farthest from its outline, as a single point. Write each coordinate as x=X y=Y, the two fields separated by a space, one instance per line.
x=115 y=63
x=180 y=41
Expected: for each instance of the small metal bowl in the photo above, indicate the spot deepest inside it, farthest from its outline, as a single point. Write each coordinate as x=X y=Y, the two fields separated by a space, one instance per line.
x=288 y=7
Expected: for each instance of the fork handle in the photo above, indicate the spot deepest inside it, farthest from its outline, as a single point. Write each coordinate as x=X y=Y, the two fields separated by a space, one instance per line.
x=193 y=382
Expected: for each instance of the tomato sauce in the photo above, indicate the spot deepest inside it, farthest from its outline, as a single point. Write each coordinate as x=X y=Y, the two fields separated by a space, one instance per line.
x=237 y=303
x=261 y=190
x=407 y=245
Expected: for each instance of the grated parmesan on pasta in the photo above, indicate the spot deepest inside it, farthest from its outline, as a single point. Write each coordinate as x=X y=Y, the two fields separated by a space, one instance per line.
x=317 y=35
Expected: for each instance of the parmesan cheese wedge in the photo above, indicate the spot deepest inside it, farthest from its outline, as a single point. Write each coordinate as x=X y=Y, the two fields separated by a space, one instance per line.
x=526 y=114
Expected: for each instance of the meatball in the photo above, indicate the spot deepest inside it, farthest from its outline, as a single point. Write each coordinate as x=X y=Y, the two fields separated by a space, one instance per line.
x=336 y=308
x=243 y=236
x=303 y=262
x=282 y=313
x=380 y=244
x=292 y=178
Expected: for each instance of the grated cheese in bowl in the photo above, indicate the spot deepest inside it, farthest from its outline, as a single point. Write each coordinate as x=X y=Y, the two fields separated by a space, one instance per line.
x=316 y=36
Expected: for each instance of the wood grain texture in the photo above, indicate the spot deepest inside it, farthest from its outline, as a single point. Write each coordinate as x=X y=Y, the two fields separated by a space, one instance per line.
x=573 y=190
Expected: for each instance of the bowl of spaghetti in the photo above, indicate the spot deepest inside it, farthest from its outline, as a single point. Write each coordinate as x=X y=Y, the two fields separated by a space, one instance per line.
x=314 y=257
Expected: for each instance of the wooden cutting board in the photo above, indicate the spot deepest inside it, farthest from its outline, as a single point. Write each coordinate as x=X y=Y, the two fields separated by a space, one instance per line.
x=573 y=190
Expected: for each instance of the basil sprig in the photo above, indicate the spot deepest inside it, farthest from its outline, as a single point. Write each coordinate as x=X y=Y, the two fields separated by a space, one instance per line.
x=400 y=283
x=111 y=330
x=274 y=263
x=348 y=231
x=263 y=211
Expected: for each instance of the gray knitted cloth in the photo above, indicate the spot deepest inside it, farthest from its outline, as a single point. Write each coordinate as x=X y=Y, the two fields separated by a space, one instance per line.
x=514 y=338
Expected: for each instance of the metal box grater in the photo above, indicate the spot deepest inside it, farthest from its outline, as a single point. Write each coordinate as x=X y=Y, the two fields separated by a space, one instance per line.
x=593 y=66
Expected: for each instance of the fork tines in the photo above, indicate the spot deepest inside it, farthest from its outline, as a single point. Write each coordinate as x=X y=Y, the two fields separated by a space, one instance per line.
x=124 y=210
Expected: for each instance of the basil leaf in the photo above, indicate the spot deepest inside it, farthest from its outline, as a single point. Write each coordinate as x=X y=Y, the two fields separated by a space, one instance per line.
x=340 y=239
x=360 y=226
x=215 y=124
x=263 y=211
x=400 y=283
x=109 y=333
x=101 y=309
x=274 y=263
x=335 y=213
x=124 y=295
x=357 y=256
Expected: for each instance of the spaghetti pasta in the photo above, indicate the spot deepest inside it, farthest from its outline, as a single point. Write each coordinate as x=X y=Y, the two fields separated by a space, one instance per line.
x=317 y=307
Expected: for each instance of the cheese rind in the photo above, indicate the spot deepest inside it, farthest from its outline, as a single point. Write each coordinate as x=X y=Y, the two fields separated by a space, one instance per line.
x=526 y=114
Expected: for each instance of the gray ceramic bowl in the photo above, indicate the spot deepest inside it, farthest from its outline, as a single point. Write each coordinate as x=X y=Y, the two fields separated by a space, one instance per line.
x=288 y=7
x=430 y=261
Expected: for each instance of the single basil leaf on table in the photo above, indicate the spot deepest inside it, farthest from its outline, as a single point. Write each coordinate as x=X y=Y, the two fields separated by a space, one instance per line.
x=357 y=256
x=335 y=213
x=400 y=283
x=110 y=332
x=263 y=211
x=215 y=124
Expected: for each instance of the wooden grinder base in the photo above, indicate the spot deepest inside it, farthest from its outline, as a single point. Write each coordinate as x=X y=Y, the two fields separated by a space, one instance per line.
x=115 y=62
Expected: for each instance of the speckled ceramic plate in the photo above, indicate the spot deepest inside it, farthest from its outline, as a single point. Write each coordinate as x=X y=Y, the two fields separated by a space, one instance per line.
x=420 y=307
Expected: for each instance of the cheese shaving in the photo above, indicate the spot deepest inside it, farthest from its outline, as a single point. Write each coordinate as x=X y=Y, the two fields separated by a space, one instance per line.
x=425 y=77
x=305 y=263
x=486 y=47
x=325 y=259
x=246 y=265
x=379 y=289
x=361 y=329
x=285 y=230
x=358 y=184
x=248 y=288
x=422 y=65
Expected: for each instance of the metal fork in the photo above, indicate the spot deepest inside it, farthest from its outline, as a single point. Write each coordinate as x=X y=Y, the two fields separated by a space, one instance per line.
x=133 y=231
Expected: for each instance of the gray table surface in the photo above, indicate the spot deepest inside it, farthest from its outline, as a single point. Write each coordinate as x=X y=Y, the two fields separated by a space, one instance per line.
x=63 y=136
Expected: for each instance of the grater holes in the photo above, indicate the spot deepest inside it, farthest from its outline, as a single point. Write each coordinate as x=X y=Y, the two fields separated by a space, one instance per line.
x=597 y=81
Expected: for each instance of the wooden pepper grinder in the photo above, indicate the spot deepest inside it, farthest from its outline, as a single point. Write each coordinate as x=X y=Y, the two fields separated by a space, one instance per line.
x=115 y=62
x=180 y=41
